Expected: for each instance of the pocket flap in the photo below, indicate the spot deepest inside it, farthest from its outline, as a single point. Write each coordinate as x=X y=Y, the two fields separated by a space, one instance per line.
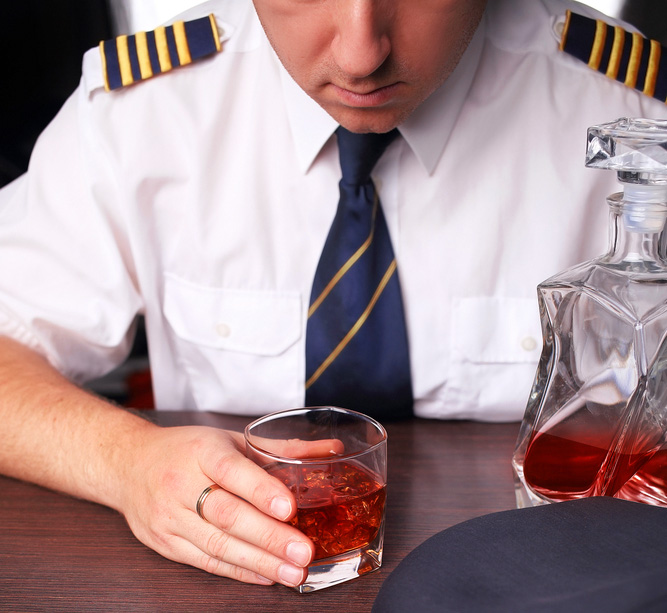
x=248 y=321
x=497 y=330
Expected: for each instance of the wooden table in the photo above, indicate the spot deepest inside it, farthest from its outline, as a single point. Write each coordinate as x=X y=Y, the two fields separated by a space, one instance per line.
x=62 y=554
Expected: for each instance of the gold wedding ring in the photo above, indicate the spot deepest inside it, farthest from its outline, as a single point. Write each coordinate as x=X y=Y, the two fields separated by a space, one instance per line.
x=202 y=498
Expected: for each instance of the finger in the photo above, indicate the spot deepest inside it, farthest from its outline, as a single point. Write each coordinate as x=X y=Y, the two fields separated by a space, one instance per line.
x=205 y=546
x=239 y=519
x=181 y=550
x=176 y=544
x=297 y=448
x=237 y=474
x=220 y=546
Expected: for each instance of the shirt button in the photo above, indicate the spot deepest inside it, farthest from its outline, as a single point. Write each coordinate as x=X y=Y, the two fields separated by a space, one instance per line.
x=223 y=330
x=558 y=27
x=529 y=343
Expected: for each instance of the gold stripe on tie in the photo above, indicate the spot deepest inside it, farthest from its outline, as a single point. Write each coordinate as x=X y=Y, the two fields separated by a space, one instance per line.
x=105 y=74
x=124 y=60
x=345 y=267
x=616 y=52
x=652 y=69
x=162 y=48
x=598 y=44
x=356 y=327
x=182 y=43
x=142 y=53
x=635 y=59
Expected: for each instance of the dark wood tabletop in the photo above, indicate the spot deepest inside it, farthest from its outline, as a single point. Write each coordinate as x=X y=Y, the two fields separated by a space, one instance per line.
x=63 y=554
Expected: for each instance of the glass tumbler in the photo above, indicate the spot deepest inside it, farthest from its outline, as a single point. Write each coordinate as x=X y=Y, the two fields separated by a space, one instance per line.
x=334 y=461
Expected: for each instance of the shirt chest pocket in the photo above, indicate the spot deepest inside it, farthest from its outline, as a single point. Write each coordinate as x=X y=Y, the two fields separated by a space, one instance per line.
x=239 y=347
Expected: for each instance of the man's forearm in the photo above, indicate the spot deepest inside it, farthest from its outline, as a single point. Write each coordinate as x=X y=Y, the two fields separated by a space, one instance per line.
x=58 y=435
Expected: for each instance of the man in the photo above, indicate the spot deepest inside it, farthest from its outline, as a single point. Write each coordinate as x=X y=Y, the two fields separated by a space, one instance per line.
x=203 y=197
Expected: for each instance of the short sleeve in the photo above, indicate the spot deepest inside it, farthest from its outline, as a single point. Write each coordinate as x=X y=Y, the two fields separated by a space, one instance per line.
x=67 y=287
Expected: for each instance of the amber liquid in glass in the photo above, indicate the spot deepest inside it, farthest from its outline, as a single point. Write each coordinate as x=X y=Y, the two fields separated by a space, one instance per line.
x=340 y=506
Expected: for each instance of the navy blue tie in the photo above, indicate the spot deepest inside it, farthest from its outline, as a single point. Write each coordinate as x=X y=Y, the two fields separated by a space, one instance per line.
x=356 y=342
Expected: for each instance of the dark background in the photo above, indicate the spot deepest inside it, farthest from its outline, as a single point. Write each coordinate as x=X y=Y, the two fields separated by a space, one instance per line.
x=41 y=46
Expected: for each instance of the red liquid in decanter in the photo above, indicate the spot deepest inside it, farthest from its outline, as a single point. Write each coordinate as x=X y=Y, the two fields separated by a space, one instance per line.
x=587 y=456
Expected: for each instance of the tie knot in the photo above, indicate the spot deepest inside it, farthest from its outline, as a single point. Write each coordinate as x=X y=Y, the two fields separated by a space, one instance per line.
x=360 y=152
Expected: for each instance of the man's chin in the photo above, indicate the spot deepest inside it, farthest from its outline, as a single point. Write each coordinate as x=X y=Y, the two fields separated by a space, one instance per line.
x=365 y=120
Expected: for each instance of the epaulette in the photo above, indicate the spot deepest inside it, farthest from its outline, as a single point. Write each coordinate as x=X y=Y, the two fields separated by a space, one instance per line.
x=128 y=59
x=628 y=57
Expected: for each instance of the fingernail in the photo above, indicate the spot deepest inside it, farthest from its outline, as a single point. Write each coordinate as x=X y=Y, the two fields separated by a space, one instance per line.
x=264 y=580
x=281 y=507
x=298 y=552
x=290 y=575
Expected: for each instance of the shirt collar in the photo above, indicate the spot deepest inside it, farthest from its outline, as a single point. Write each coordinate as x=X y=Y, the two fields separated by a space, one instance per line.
x=426 y=131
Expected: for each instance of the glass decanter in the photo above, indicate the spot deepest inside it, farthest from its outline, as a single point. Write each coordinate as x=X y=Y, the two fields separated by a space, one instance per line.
x=596 y=419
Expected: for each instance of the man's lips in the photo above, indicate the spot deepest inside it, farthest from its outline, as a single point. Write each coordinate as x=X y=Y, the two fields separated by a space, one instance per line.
x=376 y=97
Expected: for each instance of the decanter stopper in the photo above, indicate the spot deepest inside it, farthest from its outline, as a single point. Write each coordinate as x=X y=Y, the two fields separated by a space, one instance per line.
x=635 y=148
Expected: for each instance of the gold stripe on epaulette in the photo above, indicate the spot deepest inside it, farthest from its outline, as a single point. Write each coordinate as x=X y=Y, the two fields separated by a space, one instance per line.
x=127 y=59
x=142 y=54
x=214 y=27
x=565 y=31
x=181 y=43
x=124 y=60
x=616 y=51
x=652 y=69
x=630 y=58
x=162 y=49
x=105 y=72
x=598 y=45
x=635 y=58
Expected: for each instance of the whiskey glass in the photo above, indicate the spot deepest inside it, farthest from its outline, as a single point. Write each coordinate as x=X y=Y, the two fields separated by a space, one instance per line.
x=334 y=461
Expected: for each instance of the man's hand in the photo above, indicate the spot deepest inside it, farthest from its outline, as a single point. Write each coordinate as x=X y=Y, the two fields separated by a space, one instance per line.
x=62 y=437
x=244 y=537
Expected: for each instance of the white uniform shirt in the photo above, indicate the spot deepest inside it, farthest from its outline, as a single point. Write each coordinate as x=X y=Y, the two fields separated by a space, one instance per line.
x=203 y=197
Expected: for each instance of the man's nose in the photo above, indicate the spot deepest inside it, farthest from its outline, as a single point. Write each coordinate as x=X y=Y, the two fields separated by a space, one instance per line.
x=361 y=43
